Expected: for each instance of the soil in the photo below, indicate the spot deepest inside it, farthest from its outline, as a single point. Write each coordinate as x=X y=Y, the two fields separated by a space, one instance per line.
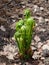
x=11 y=11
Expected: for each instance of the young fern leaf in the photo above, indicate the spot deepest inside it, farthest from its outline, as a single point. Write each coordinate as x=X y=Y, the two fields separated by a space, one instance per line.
x=19 y=24
x=23 y=35
x=27 y=13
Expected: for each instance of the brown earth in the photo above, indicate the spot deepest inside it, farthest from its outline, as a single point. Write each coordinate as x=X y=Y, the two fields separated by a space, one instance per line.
x=10 y=12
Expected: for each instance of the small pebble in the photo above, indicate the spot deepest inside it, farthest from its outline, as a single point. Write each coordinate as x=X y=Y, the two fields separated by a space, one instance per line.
x=41 y=20
x=36 y=8
x=45 y=50
x=13 y=20
x=2 y=28
x=41 y=8
x=36 y=38
x=36 y=55
x=46 y=20
x=42 y=58
x=40 y=44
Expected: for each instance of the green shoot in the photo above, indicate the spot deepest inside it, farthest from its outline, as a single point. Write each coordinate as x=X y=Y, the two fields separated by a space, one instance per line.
x=23 y=34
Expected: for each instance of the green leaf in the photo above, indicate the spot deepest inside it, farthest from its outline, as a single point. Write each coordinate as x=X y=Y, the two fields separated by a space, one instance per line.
x=24 y=33
x=27 y=13
x=17 y=34
x=19 y=24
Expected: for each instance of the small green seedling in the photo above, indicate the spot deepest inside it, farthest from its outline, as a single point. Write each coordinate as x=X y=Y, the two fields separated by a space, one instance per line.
x=23 y=34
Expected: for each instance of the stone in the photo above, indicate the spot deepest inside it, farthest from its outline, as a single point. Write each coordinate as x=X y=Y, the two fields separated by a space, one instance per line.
x=47 y=42
x=35 y=17
x=33 y=48
x=45 y=50
x=14 y=16
x=10 y=56
x=35 y=8
x=36 y=38
x=23 y=3
x=10 y=51
x=32 y=42
x=41 y=8
x=29 y=5
x=46 y=61
x=37 y=28
x=45 y=47
x=40 y=44
x=13 y=20
x=42 y=29
x=2 y=28
x=13 y=38
x=42 y=58
x=23 y=6
x=41 y=20
x=36 y=24
x=2 y=63
x=15 y=64
x=48 y=12
x=36 y=55
x=46 y=20
x=10 y=48
x=38 y=14
x=12 y=26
